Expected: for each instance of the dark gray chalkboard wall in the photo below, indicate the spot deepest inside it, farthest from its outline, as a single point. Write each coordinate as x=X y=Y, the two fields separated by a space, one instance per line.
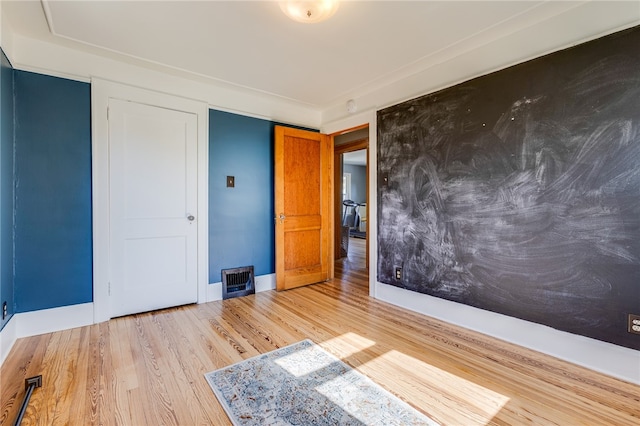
x=519 y=192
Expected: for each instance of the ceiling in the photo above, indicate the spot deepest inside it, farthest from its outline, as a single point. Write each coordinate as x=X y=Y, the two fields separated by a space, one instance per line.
x=251 y=45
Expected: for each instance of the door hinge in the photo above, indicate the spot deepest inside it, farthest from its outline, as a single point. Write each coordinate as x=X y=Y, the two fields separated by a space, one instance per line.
x=109 y=289
x=108 y=113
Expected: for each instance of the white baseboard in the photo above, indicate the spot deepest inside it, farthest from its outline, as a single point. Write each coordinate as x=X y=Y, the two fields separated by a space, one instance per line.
x=55 y=319
x=7 y=338
x=263 y=283
x=613 y=360
x=214 y=292
x=32 y=323
x=616 y=361
x=49 y=320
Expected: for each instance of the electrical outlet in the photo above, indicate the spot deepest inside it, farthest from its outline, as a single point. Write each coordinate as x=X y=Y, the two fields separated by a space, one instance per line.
x=231 y=181
x=634 y=324
x=4 y=310
x=398 y=273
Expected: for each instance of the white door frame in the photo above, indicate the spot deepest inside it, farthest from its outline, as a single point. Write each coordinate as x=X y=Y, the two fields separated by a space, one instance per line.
x=101 y=92
x=369 y=118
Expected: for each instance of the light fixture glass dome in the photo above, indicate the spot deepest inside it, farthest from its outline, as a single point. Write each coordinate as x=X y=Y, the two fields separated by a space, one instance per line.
x=309 y=11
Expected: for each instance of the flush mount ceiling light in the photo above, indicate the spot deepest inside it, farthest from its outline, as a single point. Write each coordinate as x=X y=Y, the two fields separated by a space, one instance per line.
x=309 y=11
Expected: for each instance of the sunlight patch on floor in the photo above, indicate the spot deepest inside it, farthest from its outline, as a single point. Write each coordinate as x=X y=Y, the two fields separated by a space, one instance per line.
x=303 y=362
x=368 y=403
x=341 y=346
x=444 y=390
x=347 y=344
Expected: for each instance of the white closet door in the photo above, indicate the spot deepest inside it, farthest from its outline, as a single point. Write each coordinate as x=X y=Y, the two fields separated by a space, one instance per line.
x=153 y=203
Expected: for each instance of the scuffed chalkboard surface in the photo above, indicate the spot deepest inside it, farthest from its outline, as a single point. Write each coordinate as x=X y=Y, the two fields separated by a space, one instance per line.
x=519 y=192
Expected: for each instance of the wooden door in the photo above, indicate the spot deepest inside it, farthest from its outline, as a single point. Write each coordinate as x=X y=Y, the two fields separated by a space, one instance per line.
x=303 y=197
x=153 y=202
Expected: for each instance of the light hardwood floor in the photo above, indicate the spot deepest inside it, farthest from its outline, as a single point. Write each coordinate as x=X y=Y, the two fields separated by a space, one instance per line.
x=147 y=369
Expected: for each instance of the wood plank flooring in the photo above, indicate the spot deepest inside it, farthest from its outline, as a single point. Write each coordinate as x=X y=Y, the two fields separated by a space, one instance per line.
x=147 y=369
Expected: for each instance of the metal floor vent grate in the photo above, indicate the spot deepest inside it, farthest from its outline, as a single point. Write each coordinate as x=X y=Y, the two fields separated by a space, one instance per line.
x=238 y=282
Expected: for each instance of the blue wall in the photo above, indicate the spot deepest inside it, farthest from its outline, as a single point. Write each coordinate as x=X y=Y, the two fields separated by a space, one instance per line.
x=53 y=246
x=358 y=182
x=241 y=229
x=53 y=257
x=6 y=187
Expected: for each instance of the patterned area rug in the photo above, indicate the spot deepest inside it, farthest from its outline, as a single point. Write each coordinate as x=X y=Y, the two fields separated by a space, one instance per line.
x=302 y=384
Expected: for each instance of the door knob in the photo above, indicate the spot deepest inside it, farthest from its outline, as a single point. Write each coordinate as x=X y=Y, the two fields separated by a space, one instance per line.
x=282 y=217
x=191 y=218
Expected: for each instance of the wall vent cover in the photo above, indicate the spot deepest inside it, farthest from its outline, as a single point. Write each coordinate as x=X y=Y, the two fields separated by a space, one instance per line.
x=238 y=282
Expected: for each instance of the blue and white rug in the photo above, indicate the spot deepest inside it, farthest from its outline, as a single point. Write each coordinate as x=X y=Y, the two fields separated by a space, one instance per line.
x=302 y=384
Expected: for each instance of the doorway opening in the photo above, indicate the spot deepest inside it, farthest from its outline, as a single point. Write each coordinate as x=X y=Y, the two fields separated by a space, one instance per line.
x=351 y=202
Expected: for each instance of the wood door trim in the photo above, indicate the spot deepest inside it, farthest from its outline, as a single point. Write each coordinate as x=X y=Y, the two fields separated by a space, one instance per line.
x=337 y=192
x=350 y=129
x=352 y=146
